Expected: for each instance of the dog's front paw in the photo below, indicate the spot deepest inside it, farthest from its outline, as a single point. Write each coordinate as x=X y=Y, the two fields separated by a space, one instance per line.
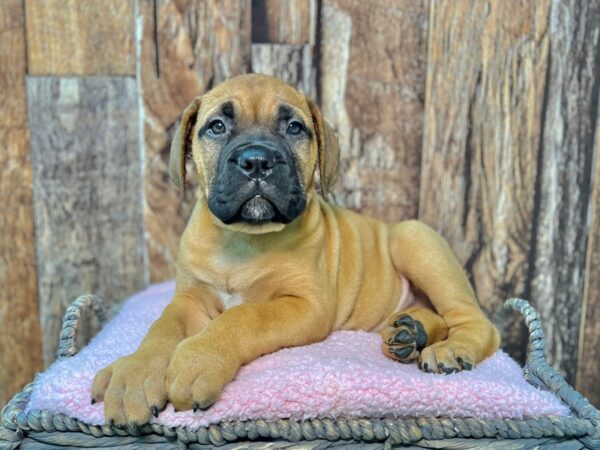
x=132 y=388
x=197 y=373
x=404 y=338
x=446 y=357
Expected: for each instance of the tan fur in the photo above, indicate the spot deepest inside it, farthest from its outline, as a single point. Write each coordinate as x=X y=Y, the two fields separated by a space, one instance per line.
x=329 y=269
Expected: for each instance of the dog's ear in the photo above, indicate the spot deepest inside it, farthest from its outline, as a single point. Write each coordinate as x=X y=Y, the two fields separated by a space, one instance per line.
x=180 y=147
x=329 y=150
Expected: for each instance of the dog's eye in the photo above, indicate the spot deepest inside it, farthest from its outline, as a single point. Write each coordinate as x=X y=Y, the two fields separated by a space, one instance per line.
x=294 y=128
x=217 y=127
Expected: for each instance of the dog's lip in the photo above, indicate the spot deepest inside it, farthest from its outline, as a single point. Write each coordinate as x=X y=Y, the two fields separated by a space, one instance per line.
x=258 y=197
x=258 y=209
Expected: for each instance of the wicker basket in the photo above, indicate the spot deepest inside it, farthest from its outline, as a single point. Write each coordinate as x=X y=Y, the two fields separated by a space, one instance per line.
x=43 y=429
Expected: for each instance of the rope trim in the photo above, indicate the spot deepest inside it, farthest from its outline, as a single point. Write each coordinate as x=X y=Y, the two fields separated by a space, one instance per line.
x=66 y=342
x=16 y=424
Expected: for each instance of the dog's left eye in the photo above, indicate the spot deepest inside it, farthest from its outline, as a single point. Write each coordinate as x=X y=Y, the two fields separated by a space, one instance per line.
x=217 y=127
x=294 y=128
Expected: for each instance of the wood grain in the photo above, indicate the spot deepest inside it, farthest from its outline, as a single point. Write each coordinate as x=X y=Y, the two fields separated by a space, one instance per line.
x=283 y=21
x=588 y=358
x=13 y=106
x=87 y=193
x=80 y=37
x=371 y=82
x=487 y=64
x=200 y=44
x=291 y=63
x=21 y=356
x=564 y=176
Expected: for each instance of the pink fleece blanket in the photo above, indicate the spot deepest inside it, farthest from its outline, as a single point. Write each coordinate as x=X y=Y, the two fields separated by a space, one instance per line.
x=344 y=376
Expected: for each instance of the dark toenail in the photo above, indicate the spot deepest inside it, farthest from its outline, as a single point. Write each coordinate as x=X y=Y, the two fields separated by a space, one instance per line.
x=449 y=370
x=426 y=367
x=440 y=366
x=404 y=320
x=196 y=407
x=404 y=352
x=404 y=337
x=154 y=410
x=111 y=423
x=464 y=365
x=206 y=405
x=93 y=401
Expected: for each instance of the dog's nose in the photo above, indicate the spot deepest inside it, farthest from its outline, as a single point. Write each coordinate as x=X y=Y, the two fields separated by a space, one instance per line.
x=256 y=162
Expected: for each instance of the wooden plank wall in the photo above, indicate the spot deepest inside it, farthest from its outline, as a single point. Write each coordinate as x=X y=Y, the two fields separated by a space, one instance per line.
x=510 y=118
x=372 y=84
x=82 y=107
x=20 y=344
x=90 y=235
x=478 y=117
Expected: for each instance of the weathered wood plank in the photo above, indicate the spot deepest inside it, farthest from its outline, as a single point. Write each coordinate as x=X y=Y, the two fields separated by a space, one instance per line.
x=371 y=82
x=588 y=358
x=283 y=21
x=21 y=356
x=487 y=64
x=80 y=37
x=564 y=176
x=292 y=63
x=13 y=107
x=87 y=193
x=200 y=44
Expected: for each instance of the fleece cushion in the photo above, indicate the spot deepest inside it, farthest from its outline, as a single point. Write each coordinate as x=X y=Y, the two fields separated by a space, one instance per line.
x=344 y=376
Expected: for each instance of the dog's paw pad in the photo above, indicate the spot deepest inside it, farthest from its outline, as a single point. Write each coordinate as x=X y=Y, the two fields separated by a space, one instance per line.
x=405 y=339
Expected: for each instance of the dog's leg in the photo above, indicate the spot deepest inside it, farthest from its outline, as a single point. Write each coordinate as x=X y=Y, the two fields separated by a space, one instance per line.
x=423 y=257
x=203 y=364
x=410 y=331
x=133 y=387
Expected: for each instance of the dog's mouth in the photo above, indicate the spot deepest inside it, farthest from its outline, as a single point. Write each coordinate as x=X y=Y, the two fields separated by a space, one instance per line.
x=258 y=210
x=257 y=205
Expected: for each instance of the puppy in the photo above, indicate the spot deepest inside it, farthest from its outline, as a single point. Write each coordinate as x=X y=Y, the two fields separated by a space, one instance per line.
x=266 y=262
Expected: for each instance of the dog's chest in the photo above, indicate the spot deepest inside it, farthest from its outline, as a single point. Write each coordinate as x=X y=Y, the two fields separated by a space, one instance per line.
x=233 y=279
x=229 y=300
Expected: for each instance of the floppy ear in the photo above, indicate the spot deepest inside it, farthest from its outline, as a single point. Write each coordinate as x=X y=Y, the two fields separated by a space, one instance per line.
x=329 y=150
x=180 y=147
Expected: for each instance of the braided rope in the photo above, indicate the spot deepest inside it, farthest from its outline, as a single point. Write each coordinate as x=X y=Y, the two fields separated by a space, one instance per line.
x=537 y=369
x=66 y=343
x=585 y=427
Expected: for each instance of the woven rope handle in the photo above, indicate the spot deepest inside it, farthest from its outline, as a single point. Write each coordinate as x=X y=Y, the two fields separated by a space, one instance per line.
x=68 y=334
x=540 y=373
x=536 y=334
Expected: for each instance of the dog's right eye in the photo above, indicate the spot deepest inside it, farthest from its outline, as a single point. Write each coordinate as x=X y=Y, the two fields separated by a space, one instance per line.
x=217 y=127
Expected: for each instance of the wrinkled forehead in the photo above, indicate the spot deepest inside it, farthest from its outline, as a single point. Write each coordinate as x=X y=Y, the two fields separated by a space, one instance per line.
x=253 y=99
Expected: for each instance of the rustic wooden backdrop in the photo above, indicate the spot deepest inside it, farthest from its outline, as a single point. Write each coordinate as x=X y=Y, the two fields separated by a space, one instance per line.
x=478 y=117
